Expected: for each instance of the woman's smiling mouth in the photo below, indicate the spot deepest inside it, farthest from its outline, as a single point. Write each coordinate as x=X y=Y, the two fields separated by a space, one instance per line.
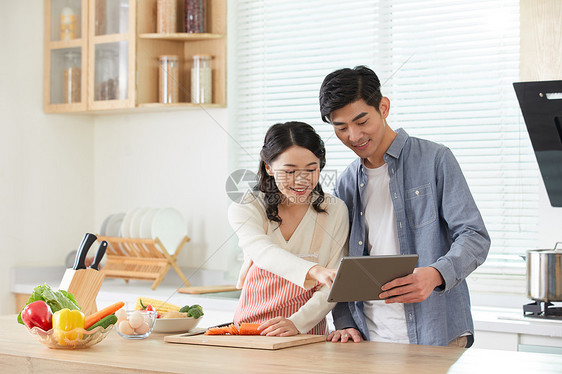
x=299 y=191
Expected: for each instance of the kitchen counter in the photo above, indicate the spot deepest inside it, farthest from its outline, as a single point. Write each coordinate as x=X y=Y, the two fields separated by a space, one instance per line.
x=495 y=328
x=20 y=353
x=220 y=307
x=509 y=320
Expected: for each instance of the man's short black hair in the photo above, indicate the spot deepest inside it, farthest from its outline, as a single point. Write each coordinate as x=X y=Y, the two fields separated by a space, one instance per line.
x=345 y=86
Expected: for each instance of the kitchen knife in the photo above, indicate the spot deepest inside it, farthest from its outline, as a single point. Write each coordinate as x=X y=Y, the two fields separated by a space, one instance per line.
x=201 y=330
x=87 y=241
x=99 y=255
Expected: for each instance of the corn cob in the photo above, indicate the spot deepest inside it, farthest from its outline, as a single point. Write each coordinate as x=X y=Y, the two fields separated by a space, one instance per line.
x=158 y=305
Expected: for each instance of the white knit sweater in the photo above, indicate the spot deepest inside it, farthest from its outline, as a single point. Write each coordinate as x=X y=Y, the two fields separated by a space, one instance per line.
x=289 y=259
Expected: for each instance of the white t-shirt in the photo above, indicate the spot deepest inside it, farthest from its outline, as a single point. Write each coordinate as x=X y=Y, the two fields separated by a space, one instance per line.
x=386 y=322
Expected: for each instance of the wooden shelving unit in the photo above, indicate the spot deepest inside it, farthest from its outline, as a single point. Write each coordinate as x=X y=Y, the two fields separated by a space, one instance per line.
x=150 y=45
x=54 y=55
x=138 y=47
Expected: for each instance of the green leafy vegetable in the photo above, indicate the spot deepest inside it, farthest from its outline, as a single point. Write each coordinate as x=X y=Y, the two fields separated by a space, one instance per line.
x=195 y=311
x=57 y=300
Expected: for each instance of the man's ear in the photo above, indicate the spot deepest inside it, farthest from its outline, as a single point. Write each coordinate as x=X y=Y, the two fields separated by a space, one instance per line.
x=384 y=107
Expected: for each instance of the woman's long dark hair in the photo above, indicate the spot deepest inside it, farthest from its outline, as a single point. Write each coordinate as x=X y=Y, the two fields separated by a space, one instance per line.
x=278 y=138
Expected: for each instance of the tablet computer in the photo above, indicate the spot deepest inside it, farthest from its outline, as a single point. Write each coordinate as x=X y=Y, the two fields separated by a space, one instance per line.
x=361 y=278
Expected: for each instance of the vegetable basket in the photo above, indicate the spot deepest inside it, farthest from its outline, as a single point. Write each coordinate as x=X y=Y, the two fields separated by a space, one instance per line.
x=79 y=338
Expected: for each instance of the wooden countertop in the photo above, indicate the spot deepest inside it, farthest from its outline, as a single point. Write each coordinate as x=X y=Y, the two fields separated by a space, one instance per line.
x=20 y=353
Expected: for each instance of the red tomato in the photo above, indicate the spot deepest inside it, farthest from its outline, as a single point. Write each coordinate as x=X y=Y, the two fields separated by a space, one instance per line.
x=149 y=308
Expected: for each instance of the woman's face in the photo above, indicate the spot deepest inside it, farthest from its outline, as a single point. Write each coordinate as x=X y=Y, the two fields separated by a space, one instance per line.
x=296 y=172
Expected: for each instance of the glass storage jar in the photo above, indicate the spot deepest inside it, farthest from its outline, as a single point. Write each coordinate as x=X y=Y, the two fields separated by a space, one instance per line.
x=201 y=80
x=71 y=78
x=195 y=16
x=100 y=18
x=168 y=76
x=107 y=73
x=166 y=16
x=68 y=23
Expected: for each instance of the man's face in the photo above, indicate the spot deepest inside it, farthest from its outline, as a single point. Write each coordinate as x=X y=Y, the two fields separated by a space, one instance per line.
x=363 y=129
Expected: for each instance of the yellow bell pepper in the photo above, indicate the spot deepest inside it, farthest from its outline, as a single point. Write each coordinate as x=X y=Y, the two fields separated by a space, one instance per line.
x=64 y=322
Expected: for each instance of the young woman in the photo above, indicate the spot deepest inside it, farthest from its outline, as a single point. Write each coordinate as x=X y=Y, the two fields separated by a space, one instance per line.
x=292 y=234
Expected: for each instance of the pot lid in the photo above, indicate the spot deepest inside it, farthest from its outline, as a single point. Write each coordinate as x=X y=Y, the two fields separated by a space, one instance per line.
x=545 y=251
x=556 y=250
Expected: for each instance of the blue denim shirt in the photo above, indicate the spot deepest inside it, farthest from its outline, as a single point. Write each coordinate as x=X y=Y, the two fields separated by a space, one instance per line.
x=436 y=218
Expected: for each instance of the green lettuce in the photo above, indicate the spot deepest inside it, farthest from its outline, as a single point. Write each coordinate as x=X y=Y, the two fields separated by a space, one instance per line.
x=56 y=300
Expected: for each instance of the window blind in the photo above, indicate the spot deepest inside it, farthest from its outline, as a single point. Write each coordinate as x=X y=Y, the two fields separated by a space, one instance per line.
x=447 y=67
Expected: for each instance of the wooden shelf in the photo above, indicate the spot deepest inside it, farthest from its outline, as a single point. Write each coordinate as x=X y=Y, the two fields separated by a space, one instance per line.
x=178 y=105
x=62 y=44
x=181 y=36
x=110 y=38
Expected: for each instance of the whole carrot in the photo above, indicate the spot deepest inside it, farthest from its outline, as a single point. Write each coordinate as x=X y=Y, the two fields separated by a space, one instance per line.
x=249 y=329
x=95 y=317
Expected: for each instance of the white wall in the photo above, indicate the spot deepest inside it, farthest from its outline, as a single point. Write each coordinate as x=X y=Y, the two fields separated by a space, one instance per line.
x=162 y=159
x=46 y=161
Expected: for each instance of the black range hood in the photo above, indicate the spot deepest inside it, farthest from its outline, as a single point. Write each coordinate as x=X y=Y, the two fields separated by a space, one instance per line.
x=541 y=105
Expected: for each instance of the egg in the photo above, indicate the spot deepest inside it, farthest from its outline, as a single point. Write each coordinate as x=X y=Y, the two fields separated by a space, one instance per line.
x=148 y=319
x=121 y=315
x=136 y=319
x=125 y=328
x=142 y=329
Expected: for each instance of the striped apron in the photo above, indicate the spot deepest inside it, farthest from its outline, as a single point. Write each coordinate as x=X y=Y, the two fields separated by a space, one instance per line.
x=266 y=295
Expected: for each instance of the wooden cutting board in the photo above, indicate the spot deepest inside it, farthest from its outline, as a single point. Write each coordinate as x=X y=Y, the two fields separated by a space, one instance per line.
x=207 y=289
x=249 y=341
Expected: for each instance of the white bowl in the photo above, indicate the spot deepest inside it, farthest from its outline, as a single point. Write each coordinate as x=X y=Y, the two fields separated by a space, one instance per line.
x=175 y=324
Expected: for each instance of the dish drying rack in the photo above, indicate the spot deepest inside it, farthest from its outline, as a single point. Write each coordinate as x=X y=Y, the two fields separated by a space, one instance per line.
x=143 y=259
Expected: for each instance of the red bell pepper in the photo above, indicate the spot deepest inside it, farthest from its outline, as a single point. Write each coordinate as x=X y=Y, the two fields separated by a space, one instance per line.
x=39 y=314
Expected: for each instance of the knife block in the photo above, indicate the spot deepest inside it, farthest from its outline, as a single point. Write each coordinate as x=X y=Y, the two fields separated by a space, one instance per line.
x=84 y=284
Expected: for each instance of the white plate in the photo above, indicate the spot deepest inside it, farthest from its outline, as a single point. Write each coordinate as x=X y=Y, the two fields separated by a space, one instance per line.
x=103 y=227
x=126 y=225
x=114 y=225
x=136 y=222
x=146 y=224
x=176 y=324
x=170 y=227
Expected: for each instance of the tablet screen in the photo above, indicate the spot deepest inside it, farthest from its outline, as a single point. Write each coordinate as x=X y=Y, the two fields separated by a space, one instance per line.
x=361 y=278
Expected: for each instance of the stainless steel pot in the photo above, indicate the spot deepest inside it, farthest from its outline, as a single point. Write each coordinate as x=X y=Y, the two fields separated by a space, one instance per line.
x=544 y=274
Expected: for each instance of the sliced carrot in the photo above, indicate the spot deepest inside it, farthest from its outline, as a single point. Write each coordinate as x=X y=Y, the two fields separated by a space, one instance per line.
x=233 y=329
x=245 y=329
x=97 y=316
x=216 y=331
x=249 y=329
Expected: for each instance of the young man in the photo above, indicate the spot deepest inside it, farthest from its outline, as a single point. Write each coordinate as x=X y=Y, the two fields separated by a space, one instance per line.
x=404 y=195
